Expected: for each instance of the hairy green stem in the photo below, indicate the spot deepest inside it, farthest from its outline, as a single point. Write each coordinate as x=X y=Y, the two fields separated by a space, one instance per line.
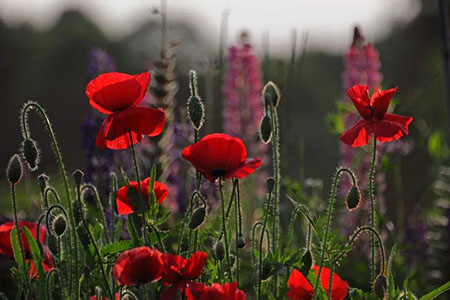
x=372 y=210
x=62 y=170
x=224 y=229
x=330 y=284
x=269 y=197
x=328 y=224
x=237 y=233
x=99 y=205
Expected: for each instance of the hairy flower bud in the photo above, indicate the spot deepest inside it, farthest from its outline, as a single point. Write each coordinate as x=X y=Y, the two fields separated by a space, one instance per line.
x=306 y=262
x=265 y=130
x=219 y=250
x=271 y=94
x=267 y=270
x=270 y=184
x=197 y=218
x=241 y=242
x=42 y=182
x=14 y=170
x=78 y=175
x=380 y=286
x=59 y=225
x=354 y=198
x=30 y=153
x=196 y=112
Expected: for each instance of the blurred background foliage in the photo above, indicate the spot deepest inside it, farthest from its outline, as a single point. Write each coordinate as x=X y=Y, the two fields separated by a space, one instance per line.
x=52 y=67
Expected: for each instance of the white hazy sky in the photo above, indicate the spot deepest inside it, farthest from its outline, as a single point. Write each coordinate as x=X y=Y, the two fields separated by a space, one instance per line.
x=328 y=22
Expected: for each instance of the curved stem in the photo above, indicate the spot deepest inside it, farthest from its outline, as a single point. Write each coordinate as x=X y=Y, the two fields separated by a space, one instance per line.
x=53 y=191
x=224 y=230
x=62 y=170
x=328 y=224
x=372 y=210
x=94 y=243
x=19 y=237
x=269 y=197
x=99 y=205
x=138 y=179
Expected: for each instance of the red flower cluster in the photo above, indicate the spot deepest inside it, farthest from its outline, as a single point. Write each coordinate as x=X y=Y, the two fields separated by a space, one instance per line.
x=118 y=95
x=228 y=291
x=220 y=155
x=301 y=289
x=143 y=264
x=125 y=205
x=6 y=247
x=384 y=126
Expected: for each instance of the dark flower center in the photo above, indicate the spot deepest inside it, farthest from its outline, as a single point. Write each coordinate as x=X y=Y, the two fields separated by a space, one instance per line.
x=218 y=173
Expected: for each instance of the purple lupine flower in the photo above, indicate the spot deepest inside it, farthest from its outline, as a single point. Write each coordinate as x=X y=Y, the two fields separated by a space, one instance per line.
x=242 y=110
x=98 y=162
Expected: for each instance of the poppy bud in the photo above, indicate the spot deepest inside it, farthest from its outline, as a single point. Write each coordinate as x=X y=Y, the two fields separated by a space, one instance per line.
x=219 y=250
x=78 y=176
x=197 y=218
x=83 y=236
x=241 y=242
x=42 y=182
x=59 y=225
x=265 y=130
x=271 y=93
x=14 y=170
x=380 y=286
x=270 y=184
x=196 y=112
x=267 y=270
x=354 y=198
x=52 y=243
x=30 y=153
x=306 y=262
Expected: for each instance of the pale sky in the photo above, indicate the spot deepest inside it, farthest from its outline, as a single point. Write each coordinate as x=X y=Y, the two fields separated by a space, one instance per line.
x=328 y=22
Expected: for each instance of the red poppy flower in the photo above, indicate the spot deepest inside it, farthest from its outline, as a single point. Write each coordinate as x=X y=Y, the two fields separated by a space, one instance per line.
x=125 y=205
x=5 y=237
x=179 y=272
x=220 y=155
x=301 y=289
x=228 y=291
x=137 y=266
x=384 y=126
x=118 y=95
x=47 y=262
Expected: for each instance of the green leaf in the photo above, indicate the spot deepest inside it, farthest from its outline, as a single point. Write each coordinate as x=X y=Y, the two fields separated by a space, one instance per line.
x=132 y=231
x=16 y=250
x=37 y=259
x=118 y=229
x=390 y=277
x=154 y=206
x=436 y=292
x=116 y=247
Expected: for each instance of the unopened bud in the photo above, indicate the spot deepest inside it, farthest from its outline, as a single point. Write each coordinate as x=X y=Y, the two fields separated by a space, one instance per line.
x=271 y=94
x=241 y=242
x=267 y=270
x=306 y=262
x=59 y=225
x=354 y=198
x=42 y=182
x=14 y=170
x=78 y=175
x=219 y=250
x=197 y=218
x=30 y=153
x=380 y=286
x=270 y=184
x=265 y=130
x=196 y=112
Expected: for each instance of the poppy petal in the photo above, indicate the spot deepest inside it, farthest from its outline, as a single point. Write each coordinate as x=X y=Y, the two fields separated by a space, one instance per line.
x=299 y=287
x=391 y=128
x=358 y=135
x=111 y=92
x=250 y=165
x=339 y=287
x=194 y=265
x=380 y=101
x=360 y=98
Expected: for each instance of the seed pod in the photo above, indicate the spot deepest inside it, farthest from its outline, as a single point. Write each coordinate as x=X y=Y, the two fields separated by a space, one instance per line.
x=272 y=94
x=78 y=175
x=14 y=170
x=306 y=262
x=354 y=198
x=59 y=225
x=241 y=242
x=196 y=112
x=270 y=184
x=42 y=182
x=30 y=153
x=265 y=130
x=380 y=286
x=219 y=250
x=197 y=218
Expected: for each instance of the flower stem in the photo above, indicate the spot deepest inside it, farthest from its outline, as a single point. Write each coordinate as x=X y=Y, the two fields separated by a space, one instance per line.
x=330 y=286
x=62 y=170
x=269 y=197
x=224 y=230
x=328 y=224
x=19 y=237
x=138 y=179
x=372 y=210
x=237 y=218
